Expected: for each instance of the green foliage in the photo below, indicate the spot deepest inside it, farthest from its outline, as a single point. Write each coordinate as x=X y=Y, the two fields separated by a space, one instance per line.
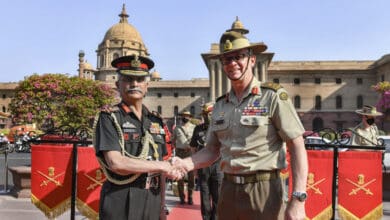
x=58 y=98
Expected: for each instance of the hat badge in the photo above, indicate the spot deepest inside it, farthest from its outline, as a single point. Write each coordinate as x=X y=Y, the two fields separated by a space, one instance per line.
x=136 y=62
x=228 y=45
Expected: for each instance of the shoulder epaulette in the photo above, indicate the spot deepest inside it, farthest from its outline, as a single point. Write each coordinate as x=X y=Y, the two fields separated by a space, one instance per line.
x=224 y=96
x=110 y=109
x=271 y=85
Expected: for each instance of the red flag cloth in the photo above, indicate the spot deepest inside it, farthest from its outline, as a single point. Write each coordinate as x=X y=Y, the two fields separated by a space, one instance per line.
x=319 y=184
x=360 y=185
x=90 y=178
x=51 y=178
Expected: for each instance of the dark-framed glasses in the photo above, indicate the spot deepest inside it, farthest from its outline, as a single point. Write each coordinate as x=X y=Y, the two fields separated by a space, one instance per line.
x=225 y=60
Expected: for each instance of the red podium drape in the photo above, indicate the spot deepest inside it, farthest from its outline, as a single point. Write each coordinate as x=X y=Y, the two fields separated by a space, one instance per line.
x=319 y=184
x=360 y=185
x=89 y=181
x=51 y=178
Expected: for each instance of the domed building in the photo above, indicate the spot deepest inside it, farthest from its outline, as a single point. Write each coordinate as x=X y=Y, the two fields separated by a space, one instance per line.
x=121 y=39
x=324 y=93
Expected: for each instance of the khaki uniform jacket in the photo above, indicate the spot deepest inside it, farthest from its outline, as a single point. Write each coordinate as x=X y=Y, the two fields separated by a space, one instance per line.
x=181 y=136
x=250 y=133
x=365 y=137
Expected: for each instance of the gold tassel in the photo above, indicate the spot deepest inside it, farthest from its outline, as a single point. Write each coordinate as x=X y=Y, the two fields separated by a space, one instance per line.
x=376 y=213
x=86 y=211
x=54 y=212
x=326 y=214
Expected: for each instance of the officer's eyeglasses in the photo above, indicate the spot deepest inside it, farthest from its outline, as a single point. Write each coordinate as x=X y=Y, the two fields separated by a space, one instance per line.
x=129 y=79
x=236 y=58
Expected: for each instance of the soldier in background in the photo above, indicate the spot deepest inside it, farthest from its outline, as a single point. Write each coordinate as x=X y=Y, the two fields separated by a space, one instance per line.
x=209 y=178
x=181 y=137
x=366 y=133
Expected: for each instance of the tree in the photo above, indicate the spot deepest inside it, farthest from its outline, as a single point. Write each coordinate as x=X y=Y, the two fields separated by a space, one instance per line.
x=59 y=99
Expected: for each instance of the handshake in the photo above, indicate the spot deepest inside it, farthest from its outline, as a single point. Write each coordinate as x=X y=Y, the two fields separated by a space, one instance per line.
x=176 y=168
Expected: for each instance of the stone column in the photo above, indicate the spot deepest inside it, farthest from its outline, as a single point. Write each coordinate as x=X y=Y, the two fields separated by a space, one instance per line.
x=219 y=82
x=212 y=81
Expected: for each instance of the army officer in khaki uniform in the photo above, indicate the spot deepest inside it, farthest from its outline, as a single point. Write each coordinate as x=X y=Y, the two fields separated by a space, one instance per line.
x=248 y=127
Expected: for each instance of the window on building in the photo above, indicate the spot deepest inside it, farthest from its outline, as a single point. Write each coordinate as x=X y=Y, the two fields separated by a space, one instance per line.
x=159 y=109
x=317 y=80
x=359 y=101
x=175 y=110
x=318 y=124
x=382 y=78
x=318 y=103
x=175 y=94
x=297 y=81
x=339 y=102
x=116 y=55
x=338 y=80
x=101 y=60
x=276 y=80
x=192 y=94
x=297 y=101
x=4 y=96
x=159 y=95
x=359 y=81
x=192 y=110
x=4 y=109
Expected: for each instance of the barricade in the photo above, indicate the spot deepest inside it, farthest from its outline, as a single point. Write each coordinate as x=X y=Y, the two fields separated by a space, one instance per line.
x=354 y=176
x=59 y=139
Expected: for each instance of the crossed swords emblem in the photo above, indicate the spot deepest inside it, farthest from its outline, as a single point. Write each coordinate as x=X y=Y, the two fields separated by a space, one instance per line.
x=50 y=177
x=311 y=184
x=360 y=185
x=97 y=181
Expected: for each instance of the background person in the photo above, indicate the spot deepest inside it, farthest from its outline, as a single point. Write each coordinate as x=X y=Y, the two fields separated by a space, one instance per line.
x=248 y=127
x=181 y=137
x=209 y=178
x=366 y=132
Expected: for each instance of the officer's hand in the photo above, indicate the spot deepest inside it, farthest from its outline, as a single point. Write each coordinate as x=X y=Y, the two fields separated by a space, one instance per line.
x=295 y=210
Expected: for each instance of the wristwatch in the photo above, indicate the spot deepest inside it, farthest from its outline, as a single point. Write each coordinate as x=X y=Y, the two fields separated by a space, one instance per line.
x=301 y=196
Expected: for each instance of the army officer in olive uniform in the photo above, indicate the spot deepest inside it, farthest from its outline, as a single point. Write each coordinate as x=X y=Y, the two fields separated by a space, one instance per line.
x=130 y=143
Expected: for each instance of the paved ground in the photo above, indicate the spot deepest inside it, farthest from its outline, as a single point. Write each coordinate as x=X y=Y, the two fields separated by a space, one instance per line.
x=18 y=209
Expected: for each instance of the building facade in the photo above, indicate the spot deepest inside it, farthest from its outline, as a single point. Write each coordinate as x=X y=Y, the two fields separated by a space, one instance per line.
x=325 y=93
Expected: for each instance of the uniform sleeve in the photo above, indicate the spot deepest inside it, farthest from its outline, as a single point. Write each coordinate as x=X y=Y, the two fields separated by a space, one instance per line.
x=285 y=117
x=194 y=138
x=107 y=137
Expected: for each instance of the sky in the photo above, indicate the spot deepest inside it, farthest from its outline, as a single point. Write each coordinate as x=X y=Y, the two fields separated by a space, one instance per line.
x=45 y=36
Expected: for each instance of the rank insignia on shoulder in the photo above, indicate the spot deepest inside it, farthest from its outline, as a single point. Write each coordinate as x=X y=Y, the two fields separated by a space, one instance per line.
x=283 y=96
x=109 y=109
x=271 y=85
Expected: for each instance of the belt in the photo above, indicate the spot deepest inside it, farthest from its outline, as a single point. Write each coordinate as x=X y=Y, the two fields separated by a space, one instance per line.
x=253 y=177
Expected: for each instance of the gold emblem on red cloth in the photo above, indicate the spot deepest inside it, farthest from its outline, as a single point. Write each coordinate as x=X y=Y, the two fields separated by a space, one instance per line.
x=97 y=181
x=311 y=184
x=360 y=185
x=50 y=177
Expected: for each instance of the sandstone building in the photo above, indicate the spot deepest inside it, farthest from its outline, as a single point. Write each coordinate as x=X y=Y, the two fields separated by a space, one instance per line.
x=325 y=93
